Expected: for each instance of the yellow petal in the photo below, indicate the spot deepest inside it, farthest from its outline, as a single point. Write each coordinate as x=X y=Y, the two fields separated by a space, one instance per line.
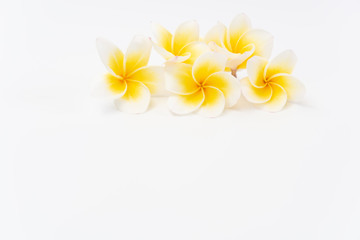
x=253 y=94
x=184 y=104
x=216 y=35
x=283 y=63
x=256 y=69
x=277 y=100
x=179 y=79
x=116 y=85
x=262 y=40
x=111 y=56
x=214 y=102
x=136 y=98
x=294 y=88
x=163 y=36
x=186 y=33
x=163 y=52
x=227 y=84
x=195 y=49
x=138 y=53
x=207 y=64
x=152 y=77
x=239 y=25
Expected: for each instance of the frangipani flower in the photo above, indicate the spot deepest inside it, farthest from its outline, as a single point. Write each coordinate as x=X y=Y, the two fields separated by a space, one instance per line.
x=205 y=86
x=183 y=46
x=271 y=84
x=129 y=78
x=239 y=42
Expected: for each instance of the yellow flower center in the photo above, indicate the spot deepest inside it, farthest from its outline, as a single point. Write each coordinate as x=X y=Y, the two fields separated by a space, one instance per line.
x=266 y=80
x=201 y=85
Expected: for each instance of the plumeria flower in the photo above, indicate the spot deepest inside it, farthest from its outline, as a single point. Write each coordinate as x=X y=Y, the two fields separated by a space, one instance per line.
x=184 y=46
x=129 y=77
x=239 y=42
x=204 y=86
x=271 y=84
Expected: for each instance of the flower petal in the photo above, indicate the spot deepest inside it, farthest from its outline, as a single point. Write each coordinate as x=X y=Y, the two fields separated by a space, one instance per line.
x=233 y=60
x=184 y=104
x=253 y=94
x=138 y=53
x=195 y=49
x=186 y=33
x=163 y=52
x=163 y=36
x=216 y=34
x=256 y=69
x=239 y=25
x=214 y=102
x=179 y=79
x=111 y=56
x=152 y=77
x=238 y=59
x=283 y=63
x=216 y=48
x=136 y=98
x=179 y=59
x=294 y=88
x=277 y=100
x=227 y=84
x=207 y=64
x=116 y=85
x=262 y=40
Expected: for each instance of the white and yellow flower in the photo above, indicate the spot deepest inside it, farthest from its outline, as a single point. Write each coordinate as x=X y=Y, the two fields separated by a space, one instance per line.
x=204 y=86
x=239 y=42
x=129 y=77
x=184 y=46
x=271 y=85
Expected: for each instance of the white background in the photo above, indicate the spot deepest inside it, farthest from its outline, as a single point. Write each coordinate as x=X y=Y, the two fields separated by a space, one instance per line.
x=72 y=167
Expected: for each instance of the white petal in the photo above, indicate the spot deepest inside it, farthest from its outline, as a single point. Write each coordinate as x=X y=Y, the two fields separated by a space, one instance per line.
x=138 y=53
x=213 y=104
x=253 y=94
x=216 y=48
x=184 y=104
x=227 y=84
x=111 y=56
x=256 y=69
x=262 y=40
x=186 y=33
x=277 y=101
x=136 y=98
x=207 y=64
x=179 y=59
x=179 y=79
x=195 y=49
x=162 y=36
x=100 y=88
x=115 y=85
x=238 y=59
x=283 y=63
x=294 y=88
x=152 y=76
x=163 y=52
x=216 y=35
x=239 y=25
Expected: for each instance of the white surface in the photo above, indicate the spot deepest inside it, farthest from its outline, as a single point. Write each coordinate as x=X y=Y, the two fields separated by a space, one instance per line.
x=72 y=167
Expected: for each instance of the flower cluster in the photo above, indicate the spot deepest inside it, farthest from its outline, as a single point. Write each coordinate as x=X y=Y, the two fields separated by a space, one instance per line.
x=201 y=73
